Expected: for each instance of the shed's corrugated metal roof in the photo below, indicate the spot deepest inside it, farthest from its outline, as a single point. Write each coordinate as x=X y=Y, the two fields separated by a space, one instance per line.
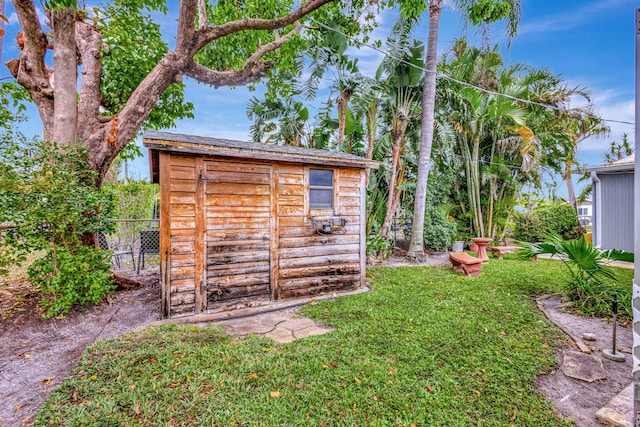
x=165 y=141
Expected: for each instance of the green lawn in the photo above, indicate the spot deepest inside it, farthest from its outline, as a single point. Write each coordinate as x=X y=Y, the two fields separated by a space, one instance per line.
x=426 y=347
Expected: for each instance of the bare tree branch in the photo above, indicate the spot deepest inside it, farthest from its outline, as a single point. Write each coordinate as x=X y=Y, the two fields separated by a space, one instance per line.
x=186 y=25
x=29 y=69
x=65 y=62
x=205 y=36
x=180 y=60
x=252 y=70
x=203 y=21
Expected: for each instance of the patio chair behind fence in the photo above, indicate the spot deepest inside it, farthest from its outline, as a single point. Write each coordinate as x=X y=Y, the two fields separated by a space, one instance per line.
x=142 y=236
x=125 y=243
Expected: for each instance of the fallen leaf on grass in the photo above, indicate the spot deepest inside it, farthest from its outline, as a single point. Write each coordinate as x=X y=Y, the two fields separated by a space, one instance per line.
x=429 y=388
x=252 y=376
x=132 y=387
x=47 y=381
x=357 y=380
x=477 y=392
x=274 y=394
x=174 y=385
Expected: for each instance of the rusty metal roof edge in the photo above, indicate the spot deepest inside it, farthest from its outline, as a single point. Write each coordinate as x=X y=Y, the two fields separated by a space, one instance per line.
x=193 y=144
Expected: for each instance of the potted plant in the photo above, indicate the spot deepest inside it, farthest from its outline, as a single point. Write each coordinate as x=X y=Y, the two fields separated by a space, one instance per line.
x=458 y=242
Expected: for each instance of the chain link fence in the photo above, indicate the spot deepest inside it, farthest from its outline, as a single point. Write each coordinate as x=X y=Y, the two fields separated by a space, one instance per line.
x=134 y=247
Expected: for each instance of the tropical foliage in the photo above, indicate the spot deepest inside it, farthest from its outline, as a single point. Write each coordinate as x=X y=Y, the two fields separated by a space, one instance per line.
x=587 y=265
x=49 y=199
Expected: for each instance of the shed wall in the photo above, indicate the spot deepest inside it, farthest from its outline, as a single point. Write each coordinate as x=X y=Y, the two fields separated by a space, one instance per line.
x=310 y=263
x=615 y=203
x=237 y=232
x=178 y=182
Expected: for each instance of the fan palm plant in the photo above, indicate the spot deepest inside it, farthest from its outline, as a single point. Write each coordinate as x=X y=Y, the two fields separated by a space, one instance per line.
x=588 y=266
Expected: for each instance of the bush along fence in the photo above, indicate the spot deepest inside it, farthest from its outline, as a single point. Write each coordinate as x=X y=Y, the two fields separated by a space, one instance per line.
x=134 y=247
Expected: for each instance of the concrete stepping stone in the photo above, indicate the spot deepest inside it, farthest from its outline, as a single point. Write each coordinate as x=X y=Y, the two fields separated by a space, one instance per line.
x=281 y=335
x=246 y=326
x=309 y=332
x=297 y=324
x=619 y=411
x=582 y=366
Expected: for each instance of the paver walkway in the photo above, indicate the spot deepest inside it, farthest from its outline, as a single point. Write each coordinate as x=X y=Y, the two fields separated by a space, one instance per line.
x=282 y=326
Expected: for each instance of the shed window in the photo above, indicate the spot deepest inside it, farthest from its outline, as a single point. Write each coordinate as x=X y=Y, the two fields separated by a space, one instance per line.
x=320 y=188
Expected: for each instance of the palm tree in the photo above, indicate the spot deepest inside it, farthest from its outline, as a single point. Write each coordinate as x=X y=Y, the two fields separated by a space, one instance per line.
x=587 y=264
x=279 y=122
x=402 y=107
x=618 y=150
x=485 y=12
x=498 y=151
x=580 y=124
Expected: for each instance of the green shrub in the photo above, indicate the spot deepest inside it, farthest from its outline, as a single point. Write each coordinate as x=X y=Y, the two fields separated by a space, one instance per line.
x=66 y=278
x=559 y=219
x=135 y=200
x=379 y=246
x=528 y=228
x=49 y=196
x=439 y=230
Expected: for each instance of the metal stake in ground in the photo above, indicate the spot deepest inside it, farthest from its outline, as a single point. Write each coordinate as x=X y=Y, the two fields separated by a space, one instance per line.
x=613 y=354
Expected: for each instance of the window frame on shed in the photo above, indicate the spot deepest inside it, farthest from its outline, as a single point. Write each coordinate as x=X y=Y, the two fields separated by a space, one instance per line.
x=312 y=187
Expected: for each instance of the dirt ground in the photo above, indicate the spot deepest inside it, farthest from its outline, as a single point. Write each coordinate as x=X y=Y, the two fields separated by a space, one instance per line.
x=36 y=354
x=578 y=399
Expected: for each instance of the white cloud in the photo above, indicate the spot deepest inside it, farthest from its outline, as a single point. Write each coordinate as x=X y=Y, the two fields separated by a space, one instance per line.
x=13 y=19
x=620 y=111
x=562 y=22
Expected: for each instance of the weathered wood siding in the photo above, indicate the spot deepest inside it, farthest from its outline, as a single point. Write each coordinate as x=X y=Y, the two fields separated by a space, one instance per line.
x=311 y=263
x=241 y=232
x=178 y=213
x=238 y=221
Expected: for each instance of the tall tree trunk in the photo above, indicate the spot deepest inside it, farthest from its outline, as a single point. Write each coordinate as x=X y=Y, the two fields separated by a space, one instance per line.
x=416 y=244
x=571 y=194
x=65 y=106
x=393 y=200
x=475 y=176
x=343 y=103
x=372 y=125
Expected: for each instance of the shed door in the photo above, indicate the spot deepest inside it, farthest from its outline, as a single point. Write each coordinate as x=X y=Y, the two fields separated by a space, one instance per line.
x=237 y=205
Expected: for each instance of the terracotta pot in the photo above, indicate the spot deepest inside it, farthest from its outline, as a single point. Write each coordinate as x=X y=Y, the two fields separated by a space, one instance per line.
x=473 y=247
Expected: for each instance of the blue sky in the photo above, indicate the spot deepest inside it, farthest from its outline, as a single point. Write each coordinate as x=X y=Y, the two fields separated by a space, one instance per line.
x=589 y=42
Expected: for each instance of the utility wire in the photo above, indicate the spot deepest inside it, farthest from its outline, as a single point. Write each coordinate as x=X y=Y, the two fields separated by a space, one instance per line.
x=445 y=76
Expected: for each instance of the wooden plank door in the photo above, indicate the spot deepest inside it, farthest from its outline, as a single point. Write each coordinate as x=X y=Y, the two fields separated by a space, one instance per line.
x=237 y=233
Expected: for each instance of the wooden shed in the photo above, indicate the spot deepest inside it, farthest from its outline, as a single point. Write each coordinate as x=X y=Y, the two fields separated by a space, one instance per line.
x=244 y=223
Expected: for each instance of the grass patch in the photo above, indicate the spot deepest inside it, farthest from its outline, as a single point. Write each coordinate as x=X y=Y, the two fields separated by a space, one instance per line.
x=425 y=347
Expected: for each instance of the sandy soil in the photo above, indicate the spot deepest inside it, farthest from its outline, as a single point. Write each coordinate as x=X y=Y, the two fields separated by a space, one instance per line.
x=36 y=355
x=577 y=399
